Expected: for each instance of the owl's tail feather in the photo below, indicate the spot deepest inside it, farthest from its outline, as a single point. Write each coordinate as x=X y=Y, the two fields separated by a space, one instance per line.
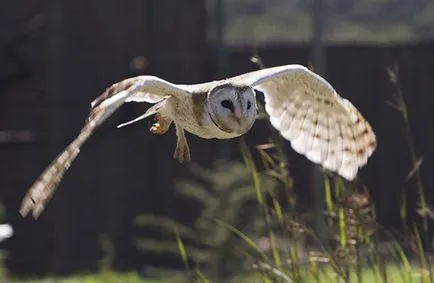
x=43 y=188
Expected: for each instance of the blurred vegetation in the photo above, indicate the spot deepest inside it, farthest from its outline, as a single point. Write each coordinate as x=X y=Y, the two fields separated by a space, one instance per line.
x=226 y=199
x=326 y=275
x=375 y=21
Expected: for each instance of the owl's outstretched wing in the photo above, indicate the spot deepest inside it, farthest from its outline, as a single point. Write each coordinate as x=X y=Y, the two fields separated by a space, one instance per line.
x=319 y=124
x=141 y=89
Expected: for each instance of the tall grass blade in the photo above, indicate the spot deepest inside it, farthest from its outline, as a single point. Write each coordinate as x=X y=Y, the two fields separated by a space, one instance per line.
x=276 y=255
x=181 y=249
x=405 y=262
x=244 y=237
x=201 y=277
x=248 y=159
x=342 y=228
x=422 y=258
x=328 y=199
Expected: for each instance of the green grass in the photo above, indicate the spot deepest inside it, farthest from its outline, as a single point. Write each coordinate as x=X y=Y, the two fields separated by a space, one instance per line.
x=396 y=274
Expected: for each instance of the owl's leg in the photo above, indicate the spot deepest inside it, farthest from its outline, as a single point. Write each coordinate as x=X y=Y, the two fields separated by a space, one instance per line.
x=161 y=126
x=182 y=151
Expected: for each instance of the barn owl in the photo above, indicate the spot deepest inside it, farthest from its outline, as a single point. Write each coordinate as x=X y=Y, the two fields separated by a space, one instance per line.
x=305 y=109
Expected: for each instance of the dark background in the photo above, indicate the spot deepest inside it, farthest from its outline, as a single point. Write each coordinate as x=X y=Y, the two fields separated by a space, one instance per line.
x=57 y=56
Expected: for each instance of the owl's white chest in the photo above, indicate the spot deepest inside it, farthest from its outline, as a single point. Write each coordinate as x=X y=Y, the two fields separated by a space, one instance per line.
x=195 y=121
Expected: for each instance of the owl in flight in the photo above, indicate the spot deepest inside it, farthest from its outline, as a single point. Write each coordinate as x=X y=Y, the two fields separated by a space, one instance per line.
x=301 y=105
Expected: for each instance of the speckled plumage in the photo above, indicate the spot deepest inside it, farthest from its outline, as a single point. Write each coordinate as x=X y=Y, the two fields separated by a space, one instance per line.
x=301 y=105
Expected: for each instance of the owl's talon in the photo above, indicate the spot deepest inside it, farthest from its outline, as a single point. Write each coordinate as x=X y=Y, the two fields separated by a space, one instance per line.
x=160 y=127
x=157 y=129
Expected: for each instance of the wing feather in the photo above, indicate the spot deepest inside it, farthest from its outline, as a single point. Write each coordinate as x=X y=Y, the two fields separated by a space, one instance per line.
x=296 y=130
x=318 y=152
x=143 y=88
x=308 y=130
x=308 y=112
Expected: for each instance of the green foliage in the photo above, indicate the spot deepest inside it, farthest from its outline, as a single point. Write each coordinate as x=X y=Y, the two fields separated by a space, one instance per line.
x=220 y=237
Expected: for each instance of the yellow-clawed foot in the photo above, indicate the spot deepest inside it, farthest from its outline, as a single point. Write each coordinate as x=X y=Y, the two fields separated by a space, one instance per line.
x=161 y=126
x=156 y=129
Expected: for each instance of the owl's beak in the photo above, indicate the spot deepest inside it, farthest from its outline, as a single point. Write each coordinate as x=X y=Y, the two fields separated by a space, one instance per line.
x=237 y=118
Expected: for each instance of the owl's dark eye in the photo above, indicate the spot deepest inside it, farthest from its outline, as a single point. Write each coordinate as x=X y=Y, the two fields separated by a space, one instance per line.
x=228 y=104
x=249 y=104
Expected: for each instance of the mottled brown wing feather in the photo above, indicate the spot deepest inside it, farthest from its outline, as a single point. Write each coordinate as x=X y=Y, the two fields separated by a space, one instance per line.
x=146 y=88
x=113 y=89
x=42 y=190
x=319 y=124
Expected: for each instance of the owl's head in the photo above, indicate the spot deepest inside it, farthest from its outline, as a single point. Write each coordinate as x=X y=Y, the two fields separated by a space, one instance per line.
x=232 y=107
